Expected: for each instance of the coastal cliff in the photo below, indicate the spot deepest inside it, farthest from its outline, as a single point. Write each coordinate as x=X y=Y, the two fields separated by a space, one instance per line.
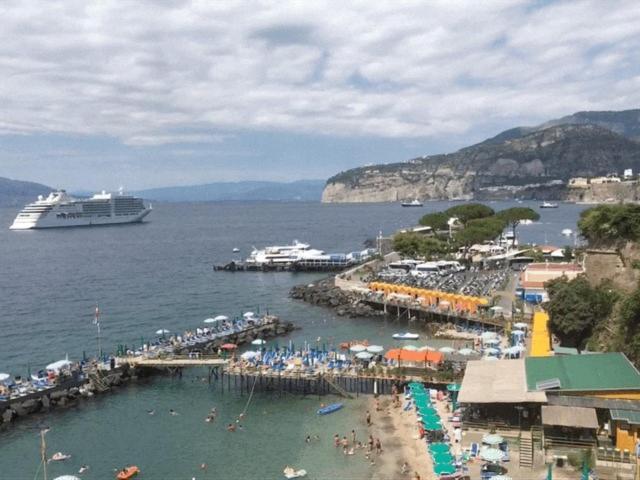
x=524 y=162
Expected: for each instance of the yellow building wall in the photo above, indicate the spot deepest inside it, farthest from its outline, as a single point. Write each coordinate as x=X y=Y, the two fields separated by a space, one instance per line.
x=626 y=439
x=540 y=335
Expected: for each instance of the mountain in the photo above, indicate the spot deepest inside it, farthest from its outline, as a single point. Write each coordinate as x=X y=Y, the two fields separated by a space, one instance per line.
x=18 y=193
x=526 y=162
x=302 y=190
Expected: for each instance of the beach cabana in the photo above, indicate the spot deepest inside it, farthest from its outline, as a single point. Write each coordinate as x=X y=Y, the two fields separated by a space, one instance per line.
x=416 y=359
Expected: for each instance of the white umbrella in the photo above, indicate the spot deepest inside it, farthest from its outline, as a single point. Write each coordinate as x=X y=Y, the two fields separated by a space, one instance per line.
x=249 y=355
x=221 y=318
x=491 y=454
x=491 y=351
x=488 y=335
x=446 y=350
x=492 y=439
x=249 y=315
x=517 y=332
x=364 y=355
x=375 y=349
x=162 y=331
x=4 y=376
x=490 y=358
x=426 y=348
x=210 y=320
x=258 y=341
x=467 y=351
x=491 y=341
x=520 y=325
x=357 y=348
x=411 y=348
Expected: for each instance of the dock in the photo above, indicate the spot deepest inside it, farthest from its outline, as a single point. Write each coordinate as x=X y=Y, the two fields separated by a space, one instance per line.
x=299 y=266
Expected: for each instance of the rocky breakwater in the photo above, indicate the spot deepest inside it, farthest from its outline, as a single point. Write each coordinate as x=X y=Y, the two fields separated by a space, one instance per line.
x=324 y=293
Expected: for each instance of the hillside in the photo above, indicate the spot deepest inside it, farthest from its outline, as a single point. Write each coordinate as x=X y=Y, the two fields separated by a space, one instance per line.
x=303 y=190
x=18 y=193
x=524 y=162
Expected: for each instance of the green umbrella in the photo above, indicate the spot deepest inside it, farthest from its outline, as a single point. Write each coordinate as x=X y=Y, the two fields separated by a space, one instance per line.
x=444 y=468
x=427 y=409
x=442 y=458
x=439 y=447
x=453 y=387
x=433 y=426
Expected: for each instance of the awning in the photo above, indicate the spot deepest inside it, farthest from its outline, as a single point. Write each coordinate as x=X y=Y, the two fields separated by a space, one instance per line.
x=632 y=417
x=576 y=417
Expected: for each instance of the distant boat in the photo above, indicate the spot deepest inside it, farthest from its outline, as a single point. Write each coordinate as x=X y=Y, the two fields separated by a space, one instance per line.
x=405 y=336
x=548 y=205
x=289 y=472
x=236 y=250
x=334 y=407
x=413 y=203
x=127 y=473
x=567 y=232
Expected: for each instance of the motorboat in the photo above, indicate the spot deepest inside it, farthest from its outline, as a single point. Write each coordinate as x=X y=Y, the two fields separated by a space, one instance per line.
x=236 y=250
x=548 y=205
x=59 y=457
x=405 y=336
x=334 y=407
x=128 y=472
x=567 y=232
x=413 y=203
x=290 y=472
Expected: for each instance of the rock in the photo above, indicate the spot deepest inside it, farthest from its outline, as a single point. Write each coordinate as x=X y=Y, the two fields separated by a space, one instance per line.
x=8 y=415
x=46 y=402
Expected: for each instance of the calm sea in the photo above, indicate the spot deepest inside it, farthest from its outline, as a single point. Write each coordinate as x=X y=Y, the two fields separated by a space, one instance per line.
x=159 y=275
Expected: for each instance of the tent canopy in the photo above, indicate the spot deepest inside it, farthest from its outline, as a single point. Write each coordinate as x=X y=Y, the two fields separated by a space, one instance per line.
x=409 y=356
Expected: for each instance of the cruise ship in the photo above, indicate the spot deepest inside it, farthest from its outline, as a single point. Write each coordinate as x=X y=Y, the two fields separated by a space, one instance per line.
x=59 y=209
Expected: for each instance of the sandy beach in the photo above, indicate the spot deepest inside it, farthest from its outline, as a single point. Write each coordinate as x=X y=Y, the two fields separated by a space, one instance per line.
x=399 y=436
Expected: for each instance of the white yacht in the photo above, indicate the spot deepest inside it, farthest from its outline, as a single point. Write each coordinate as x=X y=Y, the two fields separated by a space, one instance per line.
x=59 y=209
x=283 y=254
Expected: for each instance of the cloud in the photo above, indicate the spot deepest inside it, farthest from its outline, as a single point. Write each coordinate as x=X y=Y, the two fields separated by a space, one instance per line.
x=141 y=71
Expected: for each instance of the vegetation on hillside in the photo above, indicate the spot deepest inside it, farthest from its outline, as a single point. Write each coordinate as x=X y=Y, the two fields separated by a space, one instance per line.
x=477 y=223
x=610 y=224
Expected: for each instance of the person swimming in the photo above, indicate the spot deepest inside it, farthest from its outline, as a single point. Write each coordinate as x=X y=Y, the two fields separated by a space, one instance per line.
x=172 y=412
x=151 y=412
x=231 y=427
x=83 y=468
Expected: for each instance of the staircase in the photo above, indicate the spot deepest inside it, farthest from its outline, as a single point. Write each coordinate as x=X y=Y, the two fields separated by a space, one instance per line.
x=98 y=382
x=341 y=391
x=526 y=450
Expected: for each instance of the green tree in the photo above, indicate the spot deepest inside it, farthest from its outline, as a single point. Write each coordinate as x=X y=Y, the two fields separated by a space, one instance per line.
x=436 y=220
x=415 y=245
x=479 y=230
x=469 y=211
x=513 y=217
x=628 y=331
x=610 y=224
x=576 y=308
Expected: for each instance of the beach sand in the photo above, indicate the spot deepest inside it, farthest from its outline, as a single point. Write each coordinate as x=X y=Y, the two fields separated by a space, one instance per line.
x=399 y=437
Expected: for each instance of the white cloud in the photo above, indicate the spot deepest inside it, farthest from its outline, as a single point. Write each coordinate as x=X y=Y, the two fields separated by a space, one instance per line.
x=151 y=73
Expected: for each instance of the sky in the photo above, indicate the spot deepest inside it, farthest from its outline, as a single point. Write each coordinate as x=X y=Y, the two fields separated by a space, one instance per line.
x=144 y=94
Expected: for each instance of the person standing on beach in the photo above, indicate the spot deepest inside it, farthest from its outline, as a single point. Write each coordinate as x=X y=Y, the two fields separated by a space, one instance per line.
x=370 y=444
x=368 y=418
x=336 y=440
x=378 y=446
x=353 y=437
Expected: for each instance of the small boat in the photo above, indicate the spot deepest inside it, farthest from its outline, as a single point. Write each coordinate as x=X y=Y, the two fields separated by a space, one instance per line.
x=567 y=232
x=413 y=203
x=405 y=336
x=548 y=205
x=290 y=472
x=334 y=407
x=60 y=457
x=127 y=473
x=236 y=250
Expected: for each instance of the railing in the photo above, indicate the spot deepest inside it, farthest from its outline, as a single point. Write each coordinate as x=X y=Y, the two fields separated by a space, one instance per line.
x=558 y=442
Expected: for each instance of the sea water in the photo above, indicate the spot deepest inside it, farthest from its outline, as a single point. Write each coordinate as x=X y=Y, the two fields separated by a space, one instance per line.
x=159 y=275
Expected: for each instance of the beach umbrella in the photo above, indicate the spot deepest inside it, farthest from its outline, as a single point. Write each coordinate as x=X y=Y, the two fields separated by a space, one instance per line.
x=4 y=377
x=453 y=387
x=439 y=447
x=375 y=349
x=490 y=358
x=410 y=348
x=492 y=439
x=248 y=315
x=517 y=332
x=491 y=351
x=258 y=341
x=446 y=350
x=467 y=351
x=520 y=325
x=433 y=426
x=492 y=341
x=488 y=335
x=491 y=454
x=444 y=469
x=248 y=355
x=357 y=348
x=426 y=348
x=364 y=355
x=229 y=346
x=445 y=457
x=162 y=331
x=221 y=318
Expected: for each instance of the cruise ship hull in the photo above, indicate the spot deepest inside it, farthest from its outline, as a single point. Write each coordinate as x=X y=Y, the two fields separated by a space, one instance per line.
x=50 y=221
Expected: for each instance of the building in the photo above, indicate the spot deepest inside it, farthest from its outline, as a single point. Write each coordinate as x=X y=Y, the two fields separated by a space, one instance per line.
x=535 y=275
x=579 y=182
x=628 y=174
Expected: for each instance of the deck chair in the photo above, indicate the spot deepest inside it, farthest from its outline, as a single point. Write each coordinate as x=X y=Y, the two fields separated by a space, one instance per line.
x=474 y=450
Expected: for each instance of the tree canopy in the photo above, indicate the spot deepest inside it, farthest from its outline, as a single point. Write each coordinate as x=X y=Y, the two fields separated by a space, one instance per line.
x=610 y=224
x=479 y=230
x=436 y=220
x=469 y=211
x=415 y=245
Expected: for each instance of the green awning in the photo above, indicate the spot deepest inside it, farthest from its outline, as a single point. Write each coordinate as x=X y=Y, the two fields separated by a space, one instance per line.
x=632 y=417
x=439 y=447
x=442 y=458
x=444 y=468
x=433 y=426
x=426 y=410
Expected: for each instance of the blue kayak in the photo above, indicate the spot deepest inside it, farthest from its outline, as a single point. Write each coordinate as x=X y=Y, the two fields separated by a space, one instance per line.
x=330 y=408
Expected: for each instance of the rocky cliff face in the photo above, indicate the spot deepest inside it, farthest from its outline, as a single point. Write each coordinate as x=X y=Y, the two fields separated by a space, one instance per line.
x=516 y=163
